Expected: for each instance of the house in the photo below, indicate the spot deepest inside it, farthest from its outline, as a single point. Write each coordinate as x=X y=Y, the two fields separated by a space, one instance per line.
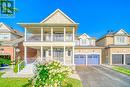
x=9 y=39
x=116 y=47
x=55 y=38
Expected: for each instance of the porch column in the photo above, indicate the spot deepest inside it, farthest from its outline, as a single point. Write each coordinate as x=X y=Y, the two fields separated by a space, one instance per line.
x=41 y=33
x=64 y=33
x=64 y=55
x=25 y=34
x=73 y=33
x=41 y=53
x=73 y=55
x=51 y=53
x=25 y=54
x=124 y=59
x=51 y=33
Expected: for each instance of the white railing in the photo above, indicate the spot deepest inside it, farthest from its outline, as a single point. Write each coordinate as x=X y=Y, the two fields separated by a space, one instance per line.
x=47 y=37
x=33 y=37
x=21 y=65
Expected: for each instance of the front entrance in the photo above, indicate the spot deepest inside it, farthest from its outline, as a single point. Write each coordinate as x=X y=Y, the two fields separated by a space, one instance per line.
x=58 y=54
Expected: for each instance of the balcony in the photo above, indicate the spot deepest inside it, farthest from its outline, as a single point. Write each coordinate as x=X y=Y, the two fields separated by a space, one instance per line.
x=48 y=37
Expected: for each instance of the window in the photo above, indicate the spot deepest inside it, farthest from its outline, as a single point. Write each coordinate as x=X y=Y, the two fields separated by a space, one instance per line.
x=91 y=42
x=4 y=36
x=83 y=42
x=120 y=40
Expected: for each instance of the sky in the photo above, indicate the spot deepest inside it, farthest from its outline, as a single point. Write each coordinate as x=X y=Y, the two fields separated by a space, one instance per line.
x=95 y=17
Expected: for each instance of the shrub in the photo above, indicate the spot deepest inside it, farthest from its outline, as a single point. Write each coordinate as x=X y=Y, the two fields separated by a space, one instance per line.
x=5 y=61
x=50 y=74
x=16 y=67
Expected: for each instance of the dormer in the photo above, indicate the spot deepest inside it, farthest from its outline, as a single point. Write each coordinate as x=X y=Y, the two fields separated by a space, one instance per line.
x=121 y=37
x=85 y=40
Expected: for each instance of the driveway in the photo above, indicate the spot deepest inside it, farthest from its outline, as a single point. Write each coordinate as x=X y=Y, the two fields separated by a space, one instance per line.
x=100 y=76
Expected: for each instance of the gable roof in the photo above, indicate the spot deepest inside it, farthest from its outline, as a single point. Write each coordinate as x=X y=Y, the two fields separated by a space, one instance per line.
x=87 y=36
x=121 y=32
x=7 y=29
x=58 y=17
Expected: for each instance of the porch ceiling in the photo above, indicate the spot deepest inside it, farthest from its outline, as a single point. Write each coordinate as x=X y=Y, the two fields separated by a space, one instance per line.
x=48 y=30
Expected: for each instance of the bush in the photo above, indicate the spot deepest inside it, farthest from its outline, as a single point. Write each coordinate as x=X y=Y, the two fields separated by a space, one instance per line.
x=16 y=68
x=5 y=61
x=50 y=74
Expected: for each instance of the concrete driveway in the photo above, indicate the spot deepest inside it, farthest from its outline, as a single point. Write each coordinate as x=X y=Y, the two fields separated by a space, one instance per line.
x=100 y=76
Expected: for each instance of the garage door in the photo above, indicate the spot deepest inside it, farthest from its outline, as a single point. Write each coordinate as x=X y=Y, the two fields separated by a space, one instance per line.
x=80 y=59
x=117 y=58
x=127 y=61
x=93 y=59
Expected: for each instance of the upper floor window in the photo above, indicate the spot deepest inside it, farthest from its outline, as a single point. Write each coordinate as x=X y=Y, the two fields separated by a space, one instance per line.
x=92 y=42
x=4 y=36
x=119 y=40
x=83 y=42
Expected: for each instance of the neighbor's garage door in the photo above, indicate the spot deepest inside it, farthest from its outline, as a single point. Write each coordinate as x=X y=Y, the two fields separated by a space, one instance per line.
x=93 y=59
x=127 y=57
x=80 y=59
x=117 y=58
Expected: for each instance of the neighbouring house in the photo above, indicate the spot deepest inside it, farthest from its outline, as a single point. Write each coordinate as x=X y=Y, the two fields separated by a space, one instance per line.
x=116 y=47
x=9 y=39
x=55 y=38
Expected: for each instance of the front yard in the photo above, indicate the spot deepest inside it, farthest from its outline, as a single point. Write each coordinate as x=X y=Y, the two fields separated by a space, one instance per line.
x=21 y=82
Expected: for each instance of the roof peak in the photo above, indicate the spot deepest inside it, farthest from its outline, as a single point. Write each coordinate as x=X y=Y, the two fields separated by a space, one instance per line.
x=55 y=14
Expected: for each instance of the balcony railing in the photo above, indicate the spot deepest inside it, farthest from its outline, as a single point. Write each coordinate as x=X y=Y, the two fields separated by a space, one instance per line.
x=47 y=37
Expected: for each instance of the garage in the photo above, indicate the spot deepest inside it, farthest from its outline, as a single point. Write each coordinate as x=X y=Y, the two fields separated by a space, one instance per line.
x=80 y=59
x=93 y=59
x=87 y=59
x=127 y=57
x=121 y=58
x=117 y=58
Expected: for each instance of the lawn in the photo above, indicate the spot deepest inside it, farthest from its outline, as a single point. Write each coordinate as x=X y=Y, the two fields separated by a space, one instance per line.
x=121 y=70
x=20 y=82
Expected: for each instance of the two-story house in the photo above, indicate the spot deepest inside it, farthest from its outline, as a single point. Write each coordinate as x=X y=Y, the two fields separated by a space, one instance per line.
x=55 y=38
x=116 y=47
x=8 y=41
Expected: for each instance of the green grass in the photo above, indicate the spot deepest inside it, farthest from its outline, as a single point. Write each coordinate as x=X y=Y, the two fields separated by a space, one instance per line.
x=70 y=82
x=12 y=82
x=21 y=82
x=121 y=70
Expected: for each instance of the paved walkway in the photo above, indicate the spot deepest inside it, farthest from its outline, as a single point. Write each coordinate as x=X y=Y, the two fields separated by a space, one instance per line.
x=99 y=76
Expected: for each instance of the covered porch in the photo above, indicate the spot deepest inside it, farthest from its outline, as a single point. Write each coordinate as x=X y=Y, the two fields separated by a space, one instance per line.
x=64 y=54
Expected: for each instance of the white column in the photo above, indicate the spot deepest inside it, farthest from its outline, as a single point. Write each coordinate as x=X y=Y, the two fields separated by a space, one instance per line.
x=124 y=59
x=25 y=54
x=41 y=53
x=25 y=34
x=51 y=53
x=64 y=33
x=51 y=33
x=73 y=55
x=41 y=33
x=64 y=55
x=73 y=33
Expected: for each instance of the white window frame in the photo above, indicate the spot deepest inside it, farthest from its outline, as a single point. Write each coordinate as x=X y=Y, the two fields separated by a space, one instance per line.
x=118 y=40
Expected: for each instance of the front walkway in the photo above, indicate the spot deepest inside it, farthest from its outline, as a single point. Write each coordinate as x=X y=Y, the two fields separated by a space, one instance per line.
x=99 y=76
